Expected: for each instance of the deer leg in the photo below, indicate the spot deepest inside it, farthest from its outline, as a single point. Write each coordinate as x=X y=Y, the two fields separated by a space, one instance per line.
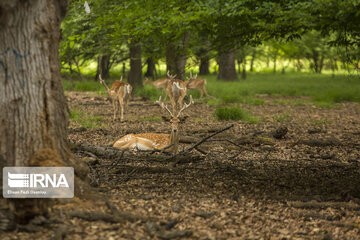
x=204 y=89
x=126 y=144
x=114 y=107
x=121 y=109
x=201 y=93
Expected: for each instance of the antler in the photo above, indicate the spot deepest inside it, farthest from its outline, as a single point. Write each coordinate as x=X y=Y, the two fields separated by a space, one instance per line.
x=192 y=77
x=170 y=76
x=103 y=83
x=121 y=79
x=186 y=105
x=162 y=104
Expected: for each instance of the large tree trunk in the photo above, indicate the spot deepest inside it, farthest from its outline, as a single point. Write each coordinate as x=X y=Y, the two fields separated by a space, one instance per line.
x=204 y=66
x=227 y=70
x=135 y=74
x=103 y=67
x=32 y=103
x=150 y=67
x=176 y=57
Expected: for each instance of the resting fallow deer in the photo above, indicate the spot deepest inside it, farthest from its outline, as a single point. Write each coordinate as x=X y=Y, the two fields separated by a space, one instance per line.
x=176 y=90
x=197 y=83
x=160 y=83
x=155 y=141
x=119 y=92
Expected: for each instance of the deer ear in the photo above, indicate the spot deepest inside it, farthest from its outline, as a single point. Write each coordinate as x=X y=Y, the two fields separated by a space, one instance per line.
x=183 y=119
x=165 y=119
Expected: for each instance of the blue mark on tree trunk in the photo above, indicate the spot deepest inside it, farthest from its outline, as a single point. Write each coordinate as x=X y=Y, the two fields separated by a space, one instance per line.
x=18 y=57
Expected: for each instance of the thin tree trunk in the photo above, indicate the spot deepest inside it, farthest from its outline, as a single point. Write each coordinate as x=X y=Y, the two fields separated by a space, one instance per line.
x=238 y=61
x=103 y=67
x=78 y=68
x=243 y=74
x=33 y=116
x=150 y=67
x=252 y=60
x=227 y=70
x=123 y=69
x=135 y=74
x=275 y=61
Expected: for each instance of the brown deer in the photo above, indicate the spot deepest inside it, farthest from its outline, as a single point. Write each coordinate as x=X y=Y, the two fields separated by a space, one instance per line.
x=155 y=141
x=119 y=92
x=158 y=84
x=197 y=83
x=176 y=90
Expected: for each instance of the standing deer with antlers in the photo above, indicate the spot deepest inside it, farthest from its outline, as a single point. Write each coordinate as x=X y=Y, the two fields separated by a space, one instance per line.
x=155 y=141
x=119 y=92
x=176 y=90
x=160 y=83
x=197 y=83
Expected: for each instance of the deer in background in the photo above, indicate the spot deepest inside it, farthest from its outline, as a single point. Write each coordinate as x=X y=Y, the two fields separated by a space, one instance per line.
x=119 y=92
x=197 y=83
x=176 y=90
x=155 y=141
x=158 y=84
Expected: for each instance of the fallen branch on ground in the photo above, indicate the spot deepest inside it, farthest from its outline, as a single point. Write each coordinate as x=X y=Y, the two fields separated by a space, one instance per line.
x=201 y=142
x=108 y=152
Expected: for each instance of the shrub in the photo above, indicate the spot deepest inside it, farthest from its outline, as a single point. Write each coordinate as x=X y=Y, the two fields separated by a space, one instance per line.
x=234 y=113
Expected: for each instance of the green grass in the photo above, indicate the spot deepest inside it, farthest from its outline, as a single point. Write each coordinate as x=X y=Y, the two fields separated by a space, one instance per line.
x=323 y=89
x=86 y=120
x=320 y=87
x=234 y=113
x=83 y=86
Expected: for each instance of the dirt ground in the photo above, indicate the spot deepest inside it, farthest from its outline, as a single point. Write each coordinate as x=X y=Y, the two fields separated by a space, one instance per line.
x=250 y=185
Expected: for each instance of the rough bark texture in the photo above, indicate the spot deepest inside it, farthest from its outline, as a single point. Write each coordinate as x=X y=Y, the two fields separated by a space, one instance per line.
x=103 y=67
x=227 y=70
x=32 y=104
x=150 y=68
x=135 y=74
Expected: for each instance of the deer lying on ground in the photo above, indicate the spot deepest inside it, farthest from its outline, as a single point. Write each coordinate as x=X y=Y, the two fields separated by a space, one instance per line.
x=176 y=89
x=197 y=83
x=160 y=83
x=155 y=141
x=119 y=92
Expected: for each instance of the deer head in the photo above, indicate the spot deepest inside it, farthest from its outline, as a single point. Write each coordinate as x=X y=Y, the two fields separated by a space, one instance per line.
x=175 y=120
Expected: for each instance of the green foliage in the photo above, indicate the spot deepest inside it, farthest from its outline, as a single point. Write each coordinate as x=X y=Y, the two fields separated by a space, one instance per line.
x=83 y=86
x=234 y=113
x=149 y=93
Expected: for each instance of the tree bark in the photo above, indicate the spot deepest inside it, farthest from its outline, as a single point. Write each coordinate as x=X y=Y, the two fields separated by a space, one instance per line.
x=150 y=67
x=135 y=74
x=176 y=57
x=33 y=116
x=103 y=67
x=204 y=66
x=227 y=70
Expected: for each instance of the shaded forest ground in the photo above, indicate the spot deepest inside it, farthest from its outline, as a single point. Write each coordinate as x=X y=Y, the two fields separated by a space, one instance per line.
x=303 y=186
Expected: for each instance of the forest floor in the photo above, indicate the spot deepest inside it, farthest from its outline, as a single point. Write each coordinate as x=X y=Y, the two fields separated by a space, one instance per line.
x=305 y=185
